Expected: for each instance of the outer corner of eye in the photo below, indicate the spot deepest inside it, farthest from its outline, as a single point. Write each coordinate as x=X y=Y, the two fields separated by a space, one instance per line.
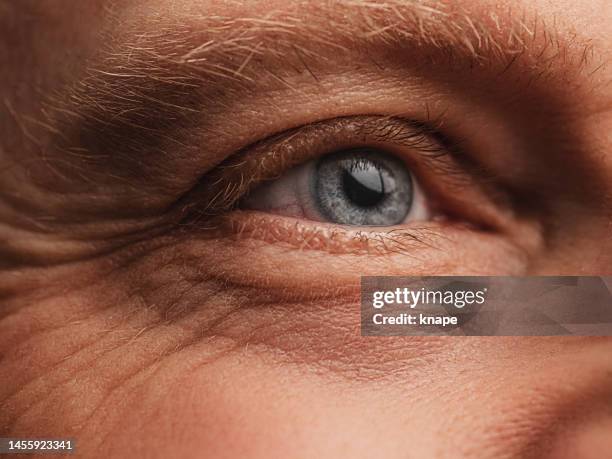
x=355 y=187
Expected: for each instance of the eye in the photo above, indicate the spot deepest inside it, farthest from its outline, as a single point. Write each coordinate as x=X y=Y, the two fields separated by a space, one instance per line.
x=356 y=187
x=347 y=173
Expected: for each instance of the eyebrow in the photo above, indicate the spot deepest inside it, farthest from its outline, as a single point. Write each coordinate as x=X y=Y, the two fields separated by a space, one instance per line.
x=226 y=46
x=161 y=73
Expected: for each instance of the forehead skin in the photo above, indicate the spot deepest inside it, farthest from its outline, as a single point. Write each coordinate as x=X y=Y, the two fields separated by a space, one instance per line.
x=109 y=350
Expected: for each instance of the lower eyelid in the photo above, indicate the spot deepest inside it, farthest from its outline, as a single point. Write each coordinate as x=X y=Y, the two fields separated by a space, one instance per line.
x=255 y=249
x=335 y=239
x=320 y=236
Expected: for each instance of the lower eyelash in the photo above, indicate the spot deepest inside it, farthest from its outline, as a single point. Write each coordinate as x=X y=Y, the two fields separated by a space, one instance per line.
x=332 y=239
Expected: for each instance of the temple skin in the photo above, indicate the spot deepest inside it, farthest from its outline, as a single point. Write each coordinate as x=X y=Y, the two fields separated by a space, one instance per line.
x=140 y=336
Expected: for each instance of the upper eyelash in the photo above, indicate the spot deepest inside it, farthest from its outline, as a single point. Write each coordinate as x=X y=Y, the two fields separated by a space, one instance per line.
x=224 y=186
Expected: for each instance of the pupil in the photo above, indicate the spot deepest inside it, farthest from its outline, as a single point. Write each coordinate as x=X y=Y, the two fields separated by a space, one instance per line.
x=364 y=185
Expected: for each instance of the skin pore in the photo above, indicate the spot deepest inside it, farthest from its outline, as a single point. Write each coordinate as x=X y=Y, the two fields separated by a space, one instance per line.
x=148 y=308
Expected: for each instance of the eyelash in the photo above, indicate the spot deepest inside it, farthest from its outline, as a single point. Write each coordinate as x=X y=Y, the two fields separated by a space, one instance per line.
x=436 y=161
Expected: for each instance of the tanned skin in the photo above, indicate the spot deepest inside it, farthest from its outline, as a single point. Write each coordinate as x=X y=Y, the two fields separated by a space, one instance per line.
x=147 y=311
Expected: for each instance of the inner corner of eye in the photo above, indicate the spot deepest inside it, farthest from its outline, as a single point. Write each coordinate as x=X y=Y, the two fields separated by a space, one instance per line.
x=354 y=187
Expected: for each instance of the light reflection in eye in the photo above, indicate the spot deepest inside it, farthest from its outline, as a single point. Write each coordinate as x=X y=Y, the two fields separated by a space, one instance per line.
x=382 y=172
x=356 y=187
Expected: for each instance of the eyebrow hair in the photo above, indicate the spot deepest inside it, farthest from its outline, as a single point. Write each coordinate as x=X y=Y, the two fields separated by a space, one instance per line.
x=159 y=73
x=321 y=29
x=182 y=50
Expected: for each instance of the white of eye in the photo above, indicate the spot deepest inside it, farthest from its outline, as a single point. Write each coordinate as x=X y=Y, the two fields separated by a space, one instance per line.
x=359 y=187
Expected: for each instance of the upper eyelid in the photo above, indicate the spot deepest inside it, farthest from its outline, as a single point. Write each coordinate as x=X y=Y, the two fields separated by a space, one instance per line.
x=149 y=84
